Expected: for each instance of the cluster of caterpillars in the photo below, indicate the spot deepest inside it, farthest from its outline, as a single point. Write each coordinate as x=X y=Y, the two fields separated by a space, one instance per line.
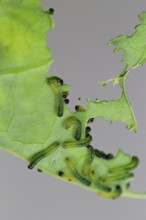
x=88 y=176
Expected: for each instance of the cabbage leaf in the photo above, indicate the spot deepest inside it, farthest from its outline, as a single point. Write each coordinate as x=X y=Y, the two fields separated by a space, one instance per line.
x=35 y=123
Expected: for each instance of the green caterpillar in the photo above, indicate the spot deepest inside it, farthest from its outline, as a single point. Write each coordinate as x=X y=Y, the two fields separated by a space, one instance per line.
x=81 y=143
x=54 y=83
x=131 y=165
x=75 y=172
x=73 y=121
x=42 y=154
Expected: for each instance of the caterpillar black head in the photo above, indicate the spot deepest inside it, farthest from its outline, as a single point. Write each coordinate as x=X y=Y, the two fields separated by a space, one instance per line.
x=66 y=101
x=51 y=11
x=79 y=108
x=90 y=120
x=65 y=94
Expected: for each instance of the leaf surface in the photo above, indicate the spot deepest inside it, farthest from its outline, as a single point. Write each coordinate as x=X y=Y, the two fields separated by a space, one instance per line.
x=133 y=46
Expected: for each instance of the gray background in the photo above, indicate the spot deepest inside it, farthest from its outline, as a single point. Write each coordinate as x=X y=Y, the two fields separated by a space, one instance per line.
x=82 y=59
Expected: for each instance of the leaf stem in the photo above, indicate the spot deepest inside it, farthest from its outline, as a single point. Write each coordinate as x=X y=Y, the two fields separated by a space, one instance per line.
x=134 y=195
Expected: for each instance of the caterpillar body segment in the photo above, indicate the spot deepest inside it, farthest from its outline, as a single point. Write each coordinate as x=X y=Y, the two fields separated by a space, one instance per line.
x=55 y=82
x=74 y=121
x=76 y=173
x=92 y=175
x=102 y=187
x=60 y=105
x=88 y=161
x=80 y=143
x=42 y=154
x=105 y=187
x=71 y=121
x=104 y=194
x=117 y=177
x=117 y=192
x=78 y=132
x=79 y=108
x=80 y=178
x=99 y=184
x=133 y=164
x=114 y=194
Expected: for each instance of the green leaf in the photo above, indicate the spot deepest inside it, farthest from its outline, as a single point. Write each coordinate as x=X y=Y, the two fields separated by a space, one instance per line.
x=134 y=46
x=23 y=24
x=113 y=110
x=36 y=125
x=134 y=55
